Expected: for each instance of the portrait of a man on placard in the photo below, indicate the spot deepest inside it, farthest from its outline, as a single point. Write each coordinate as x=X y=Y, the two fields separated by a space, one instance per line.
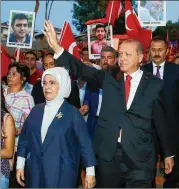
x=152 y=13
x=21 y=26
x=99 y=36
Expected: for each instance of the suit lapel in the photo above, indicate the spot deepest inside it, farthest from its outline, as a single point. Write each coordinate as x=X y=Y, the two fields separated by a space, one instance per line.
x=166 y=73
x=121 y=87
x=140 y=90
x=54 y=126
x=149 y=68
x=39 y=123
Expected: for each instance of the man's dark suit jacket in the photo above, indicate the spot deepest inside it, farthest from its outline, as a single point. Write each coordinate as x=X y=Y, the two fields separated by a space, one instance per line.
x=136 y=122
x=171 y=97
x=91 y=99
x=73 y=99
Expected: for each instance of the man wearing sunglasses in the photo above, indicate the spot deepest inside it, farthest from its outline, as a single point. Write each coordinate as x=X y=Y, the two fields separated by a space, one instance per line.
x=20 y=29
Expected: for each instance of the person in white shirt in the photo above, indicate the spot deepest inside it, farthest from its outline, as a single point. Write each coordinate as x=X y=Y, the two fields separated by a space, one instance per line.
x=53 y=138
x=132 y=101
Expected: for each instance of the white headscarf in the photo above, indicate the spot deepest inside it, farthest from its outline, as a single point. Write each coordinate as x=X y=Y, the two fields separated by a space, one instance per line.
x=52 y=107
x=63 y=78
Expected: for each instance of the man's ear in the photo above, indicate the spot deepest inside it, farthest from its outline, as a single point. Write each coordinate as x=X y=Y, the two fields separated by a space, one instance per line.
x=167 y=52
x=141 y=56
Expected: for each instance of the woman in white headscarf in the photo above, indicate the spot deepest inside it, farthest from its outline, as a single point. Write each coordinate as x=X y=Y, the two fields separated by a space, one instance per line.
x=53 y=138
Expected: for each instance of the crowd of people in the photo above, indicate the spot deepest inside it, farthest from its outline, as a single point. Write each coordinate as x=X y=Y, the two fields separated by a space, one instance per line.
x=71 y=116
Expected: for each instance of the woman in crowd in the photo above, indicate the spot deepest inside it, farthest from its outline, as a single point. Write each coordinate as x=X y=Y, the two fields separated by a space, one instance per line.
x=53 y=138
x=19 y=103
x=7 y=142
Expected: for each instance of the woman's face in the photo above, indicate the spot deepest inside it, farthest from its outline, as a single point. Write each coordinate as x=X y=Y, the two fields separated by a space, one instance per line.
x=50 y=87
x=14 y=78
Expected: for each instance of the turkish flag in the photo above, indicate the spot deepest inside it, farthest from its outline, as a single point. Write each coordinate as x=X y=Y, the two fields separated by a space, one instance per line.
x=5 y=61
x=67 y=40
x=133 y=27
x=112 y=13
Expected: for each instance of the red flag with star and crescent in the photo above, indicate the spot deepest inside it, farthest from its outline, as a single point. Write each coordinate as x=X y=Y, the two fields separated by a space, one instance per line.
x=133 y=27
x=113 y=11
x=67 y=40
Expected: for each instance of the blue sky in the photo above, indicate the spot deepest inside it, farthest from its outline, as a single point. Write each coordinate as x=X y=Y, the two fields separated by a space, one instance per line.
x=61 y=11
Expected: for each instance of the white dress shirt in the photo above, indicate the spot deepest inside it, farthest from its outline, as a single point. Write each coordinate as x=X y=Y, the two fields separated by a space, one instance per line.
x=99 y=102
x=82 y=93
x=136 y=77
x=161 y=70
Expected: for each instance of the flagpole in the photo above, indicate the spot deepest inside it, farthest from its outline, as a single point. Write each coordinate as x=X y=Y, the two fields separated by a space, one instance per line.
x=62 y=33
x=110 y=17
x=18 y=53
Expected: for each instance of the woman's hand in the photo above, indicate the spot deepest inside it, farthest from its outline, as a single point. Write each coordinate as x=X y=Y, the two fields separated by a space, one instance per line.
x=18 y=130
x=20 y=176
x=84 y=109
x=90 y=181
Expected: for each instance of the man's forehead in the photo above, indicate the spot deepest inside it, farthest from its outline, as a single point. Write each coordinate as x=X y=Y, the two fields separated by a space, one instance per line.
x=48 y=61
x=21 y=21
x=158 y=44
x=85 y=52
x=100 y=29
x=107 y=53
x=13 y=68
x=30 y=55
x=49 y=57
x=127 y=47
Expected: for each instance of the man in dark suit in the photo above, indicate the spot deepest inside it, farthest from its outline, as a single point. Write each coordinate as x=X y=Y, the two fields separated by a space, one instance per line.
x=131 y=101
x=93 y=95
x=169 y=73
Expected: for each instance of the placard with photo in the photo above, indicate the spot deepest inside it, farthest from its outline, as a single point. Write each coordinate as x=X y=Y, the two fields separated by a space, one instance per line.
x=152 y=13
x=21 y=29
x=99 y=36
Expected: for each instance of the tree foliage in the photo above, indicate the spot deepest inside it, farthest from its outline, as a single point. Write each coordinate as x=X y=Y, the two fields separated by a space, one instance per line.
x=84 y=10
x=171 y=28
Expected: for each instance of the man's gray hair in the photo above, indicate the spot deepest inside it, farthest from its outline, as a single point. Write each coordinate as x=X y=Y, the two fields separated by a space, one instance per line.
x=109 y=49
x=140 y=48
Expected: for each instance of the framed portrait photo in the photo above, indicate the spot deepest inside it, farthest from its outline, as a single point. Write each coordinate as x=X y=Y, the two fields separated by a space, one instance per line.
x=99 y=36
x=21 y=29
x=152 y=13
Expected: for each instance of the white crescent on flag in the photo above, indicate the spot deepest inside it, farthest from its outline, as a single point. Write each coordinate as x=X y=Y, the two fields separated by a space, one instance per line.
x=71 y=47
x=128 y=12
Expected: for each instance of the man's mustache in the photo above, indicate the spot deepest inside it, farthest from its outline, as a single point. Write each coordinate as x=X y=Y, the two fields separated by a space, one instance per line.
x=157 y=56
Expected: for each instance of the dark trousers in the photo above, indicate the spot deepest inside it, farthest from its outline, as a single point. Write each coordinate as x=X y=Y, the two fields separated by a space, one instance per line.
x=116 y=174
x=172 y=180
